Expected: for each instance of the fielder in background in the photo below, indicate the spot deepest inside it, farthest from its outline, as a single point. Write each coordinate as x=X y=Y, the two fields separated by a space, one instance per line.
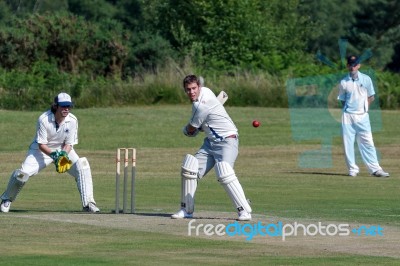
x=356 y=92
x=56 y=134
x=219 y=150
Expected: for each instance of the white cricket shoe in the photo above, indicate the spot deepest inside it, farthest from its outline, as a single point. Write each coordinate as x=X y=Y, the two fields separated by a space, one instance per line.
x=91 y=208
x=353 y=174
x=381 y=173
x=244 y=216
x=5 y=206
x=181 y=214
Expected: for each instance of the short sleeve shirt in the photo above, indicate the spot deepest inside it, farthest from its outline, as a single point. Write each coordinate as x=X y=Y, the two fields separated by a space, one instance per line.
x=53 y=135
x=210 y=115
x=355 y=93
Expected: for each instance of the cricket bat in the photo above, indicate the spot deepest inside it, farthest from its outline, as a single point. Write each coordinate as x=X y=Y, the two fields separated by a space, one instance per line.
x=222 y=97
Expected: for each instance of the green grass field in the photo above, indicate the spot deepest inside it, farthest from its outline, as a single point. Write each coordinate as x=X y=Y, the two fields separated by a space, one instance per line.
x=45 y=225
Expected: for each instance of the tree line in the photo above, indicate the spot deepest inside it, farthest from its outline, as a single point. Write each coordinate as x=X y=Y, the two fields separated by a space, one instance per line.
x=45 y=43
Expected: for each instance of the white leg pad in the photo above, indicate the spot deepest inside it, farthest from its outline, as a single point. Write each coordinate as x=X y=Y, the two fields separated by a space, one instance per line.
x=226 y=176
x=189 y=171
x=83 y=177
x=15 y=184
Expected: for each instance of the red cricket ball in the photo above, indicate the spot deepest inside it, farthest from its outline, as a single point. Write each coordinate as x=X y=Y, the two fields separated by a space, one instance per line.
x=256 y=123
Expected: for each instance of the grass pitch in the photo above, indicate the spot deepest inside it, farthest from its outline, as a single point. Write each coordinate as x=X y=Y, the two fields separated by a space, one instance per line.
x=45 y=225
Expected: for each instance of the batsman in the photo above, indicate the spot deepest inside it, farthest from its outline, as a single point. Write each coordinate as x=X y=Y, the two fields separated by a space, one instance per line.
x=219 y=150
x=56 y=135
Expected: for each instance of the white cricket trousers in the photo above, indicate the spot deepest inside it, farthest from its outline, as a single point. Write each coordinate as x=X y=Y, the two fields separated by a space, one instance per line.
x=211 y=152
x=357 y=127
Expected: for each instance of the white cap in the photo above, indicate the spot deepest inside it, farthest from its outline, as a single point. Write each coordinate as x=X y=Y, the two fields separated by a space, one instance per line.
x=63 y=99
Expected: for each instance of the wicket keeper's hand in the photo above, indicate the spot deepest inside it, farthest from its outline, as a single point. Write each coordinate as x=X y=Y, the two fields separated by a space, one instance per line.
x=63 y=163
x=54 y=155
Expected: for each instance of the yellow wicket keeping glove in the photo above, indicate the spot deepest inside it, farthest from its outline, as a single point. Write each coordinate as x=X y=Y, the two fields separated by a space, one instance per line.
x=62 y=162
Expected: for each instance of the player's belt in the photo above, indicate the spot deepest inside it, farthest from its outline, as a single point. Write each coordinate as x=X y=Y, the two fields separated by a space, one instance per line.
x=231 y=137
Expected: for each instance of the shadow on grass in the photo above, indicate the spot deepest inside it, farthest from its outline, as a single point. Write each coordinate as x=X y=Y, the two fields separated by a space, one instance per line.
x=317 y=173
x=168 y=215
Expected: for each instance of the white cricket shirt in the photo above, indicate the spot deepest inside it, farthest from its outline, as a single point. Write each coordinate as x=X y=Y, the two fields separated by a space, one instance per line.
x=210 y=115
x=355 y=93
x=48 y=133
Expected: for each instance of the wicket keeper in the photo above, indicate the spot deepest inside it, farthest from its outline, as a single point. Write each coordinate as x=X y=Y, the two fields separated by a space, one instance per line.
x=56 y=135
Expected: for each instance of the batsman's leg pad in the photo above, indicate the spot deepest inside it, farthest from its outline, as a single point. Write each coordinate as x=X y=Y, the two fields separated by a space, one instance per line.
x=226 y=176
x=189 y=173
x=15 y=184
x=83 y=177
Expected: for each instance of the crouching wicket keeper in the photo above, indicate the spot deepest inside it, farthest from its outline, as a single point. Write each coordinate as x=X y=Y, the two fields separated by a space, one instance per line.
x=56 y=134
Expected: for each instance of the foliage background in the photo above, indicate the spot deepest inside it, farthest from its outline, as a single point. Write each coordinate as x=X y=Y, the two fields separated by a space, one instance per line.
x=127 y=52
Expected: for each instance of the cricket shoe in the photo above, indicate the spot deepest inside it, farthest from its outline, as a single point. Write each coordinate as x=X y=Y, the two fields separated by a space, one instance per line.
x=5 y=206
x=181 y=214
x=244 y=216
x=381 y=173
x=353 y=174
x=91 y=207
